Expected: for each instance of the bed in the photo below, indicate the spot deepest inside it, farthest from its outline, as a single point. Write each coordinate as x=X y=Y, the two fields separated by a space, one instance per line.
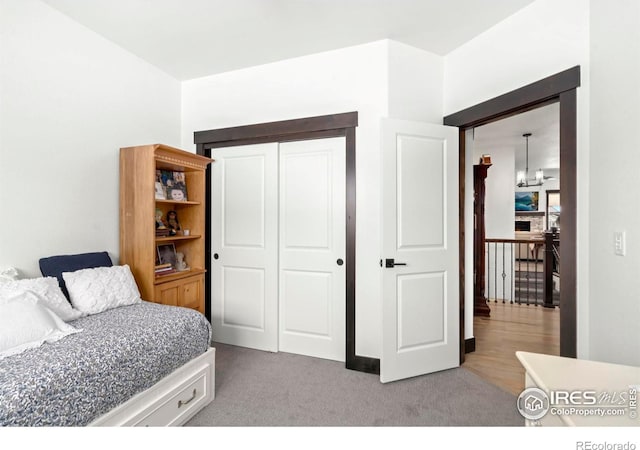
x=132 y=364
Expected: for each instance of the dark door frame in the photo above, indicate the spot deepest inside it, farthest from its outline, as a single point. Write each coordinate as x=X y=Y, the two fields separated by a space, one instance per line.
x=334 y=125
x=561 y=88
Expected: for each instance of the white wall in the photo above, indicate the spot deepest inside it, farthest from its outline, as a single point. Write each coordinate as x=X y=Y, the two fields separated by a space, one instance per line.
x=368 y=79
x=499 y=188
x=544 y=38
x=415 y=83
x=69 y=101
x=351 y=79
x=615 y=157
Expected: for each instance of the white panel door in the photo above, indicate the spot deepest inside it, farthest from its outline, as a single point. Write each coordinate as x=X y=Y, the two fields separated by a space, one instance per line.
x=420 y=235
x=244 y=291
x=312 y=248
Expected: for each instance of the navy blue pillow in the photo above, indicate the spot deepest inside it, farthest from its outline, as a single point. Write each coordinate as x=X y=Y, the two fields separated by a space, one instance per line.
x=53 y=266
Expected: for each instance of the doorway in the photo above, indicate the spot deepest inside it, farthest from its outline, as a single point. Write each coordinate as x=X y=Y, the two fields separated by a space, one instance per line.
x=559 y=88
x=521 y=312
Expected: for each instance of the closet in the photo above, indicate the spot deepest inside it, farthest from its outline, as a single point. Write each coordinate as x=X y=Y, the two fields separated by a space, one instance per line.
x=283 y=263
x=278 y=243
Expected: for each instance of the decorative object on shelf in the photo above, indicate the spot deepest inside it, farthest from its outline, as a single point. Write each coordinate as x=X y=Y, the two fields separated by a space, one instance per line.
x=485 y=159
x=167 y=254
x=159 y=221
x=522 y=177
x=181 y=265
x=173 y=223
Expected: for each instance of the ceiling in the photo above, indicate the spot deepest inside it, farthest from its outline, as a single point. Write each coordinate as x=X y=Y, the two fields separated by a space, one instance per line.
x=544 y=143
x=194 y=38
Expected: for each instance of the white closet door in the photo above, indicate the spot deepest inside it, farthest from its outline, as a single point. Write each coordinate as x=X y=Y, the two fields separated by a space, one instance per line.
x=244 y=302
x=312 y=248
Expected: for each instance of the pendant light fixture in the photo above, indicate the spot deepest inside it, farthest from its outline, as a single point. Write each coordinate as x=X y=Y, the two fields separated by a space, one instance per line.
x=522 y=177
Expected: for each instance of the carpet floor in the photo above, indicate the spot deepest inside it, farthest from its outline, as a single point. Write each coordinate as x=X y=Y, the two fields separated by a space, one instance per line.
x=255 y=388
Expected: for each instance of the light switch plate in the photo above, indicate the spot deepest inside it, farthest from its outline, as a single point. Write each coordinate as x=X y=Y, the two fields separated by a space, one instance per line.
x=619 y=244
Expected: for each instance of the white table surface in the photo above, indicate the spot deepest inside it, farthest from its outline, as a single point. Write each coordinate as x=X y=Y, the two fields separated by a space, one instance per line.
x=555 y=373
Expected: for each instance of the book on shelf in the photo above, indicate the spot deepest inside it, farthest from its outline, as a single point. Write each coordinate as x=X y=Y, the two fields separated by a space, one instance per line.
x=161 y=273
x=164 y=269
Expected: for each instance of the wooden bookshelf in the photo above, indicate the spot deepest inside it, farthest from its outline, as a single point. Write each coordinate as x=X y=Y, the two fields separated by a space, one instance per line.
x=138 y=240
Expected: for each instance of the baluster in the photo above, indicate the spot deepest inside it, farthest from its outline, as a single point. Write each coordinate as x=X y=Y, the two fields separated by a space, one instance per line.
x=488 y=274
x=520 y=285
x=535 y=275
x=527 y=275
x=513 y=280
x=504 y=275
x=495 y=273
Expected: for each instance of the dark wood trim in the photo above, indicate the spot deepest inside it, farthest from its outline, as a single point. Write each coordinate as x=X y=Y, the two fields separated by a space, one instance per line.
x=462 y=155
x=568 y=233
x=530 y=213
x=271 y=130
x=531 y=96
x=469 y=345
x=200 y=150
x=560 y=87
x=302 y=129
x=279 y=138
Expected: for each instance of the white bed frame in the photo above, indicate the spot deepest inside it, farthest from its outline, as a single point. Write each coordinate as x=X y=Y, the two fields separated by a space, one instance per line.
x=172 y=401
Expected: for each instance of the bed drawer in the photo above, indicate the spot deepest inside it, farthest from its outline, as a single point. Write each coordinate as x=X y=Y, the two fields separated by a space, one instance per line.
x=180 y=402
x=171 y=401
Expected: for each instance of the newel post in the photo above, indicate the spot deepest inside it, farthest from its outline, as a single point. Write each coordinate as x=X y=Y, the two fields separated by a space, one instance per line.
x=548 y=269
x=480 y=306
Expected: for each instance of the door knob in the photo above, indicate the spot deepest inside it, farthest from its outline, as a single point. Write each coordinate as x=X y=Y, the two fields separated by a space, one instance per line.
x=216 y=256
x=340 y=261
x=390 y=263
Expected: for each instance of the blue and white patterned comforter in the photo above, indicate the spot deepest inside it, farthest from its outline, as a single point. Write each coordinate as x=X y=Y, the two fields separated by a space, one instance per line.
x=119 y=353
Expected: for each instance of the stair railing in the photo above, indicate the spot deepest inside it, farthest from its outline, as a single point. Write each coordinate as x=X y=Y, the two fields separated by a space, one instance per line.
x=522 y=271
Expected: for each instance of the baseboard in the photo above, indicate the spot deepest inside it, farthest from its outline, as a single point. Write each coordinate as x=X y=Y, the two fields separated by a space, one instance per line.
x=364 y=364
x=470 y=345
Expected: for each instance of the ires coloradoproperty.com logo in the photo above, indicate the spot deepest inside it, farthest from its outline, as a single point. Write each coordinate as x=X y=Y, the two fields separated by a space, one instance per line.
x=534 y=403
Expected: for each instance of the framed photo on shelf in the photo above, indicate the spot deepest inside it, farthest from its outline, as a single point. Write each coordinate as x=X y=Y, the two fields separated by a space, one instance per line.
x=177 y=193
x=171 y=185
x=160 y=194
x=167 y=254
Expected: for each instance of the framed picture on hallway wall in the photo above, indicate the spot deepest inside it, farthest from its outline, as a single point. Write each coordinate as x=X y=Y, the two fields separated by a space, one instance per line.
x=527 y=201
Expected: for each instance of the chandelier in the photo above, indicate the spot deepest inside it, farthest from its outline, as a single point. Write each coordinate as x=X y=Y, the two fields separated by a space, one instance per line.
x=522 y=177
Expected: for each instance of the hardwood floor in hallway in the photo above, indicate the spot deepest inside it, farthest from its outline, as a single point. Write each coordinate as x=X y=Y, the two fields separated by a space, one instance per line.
x=509 y=329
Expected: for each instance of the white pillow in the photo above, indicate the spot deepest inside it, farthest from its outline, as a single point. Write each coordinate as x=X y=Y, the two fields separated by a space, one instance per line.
x=101 y=288
x=8 y=274
x=25 y=322
x=48 y=289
